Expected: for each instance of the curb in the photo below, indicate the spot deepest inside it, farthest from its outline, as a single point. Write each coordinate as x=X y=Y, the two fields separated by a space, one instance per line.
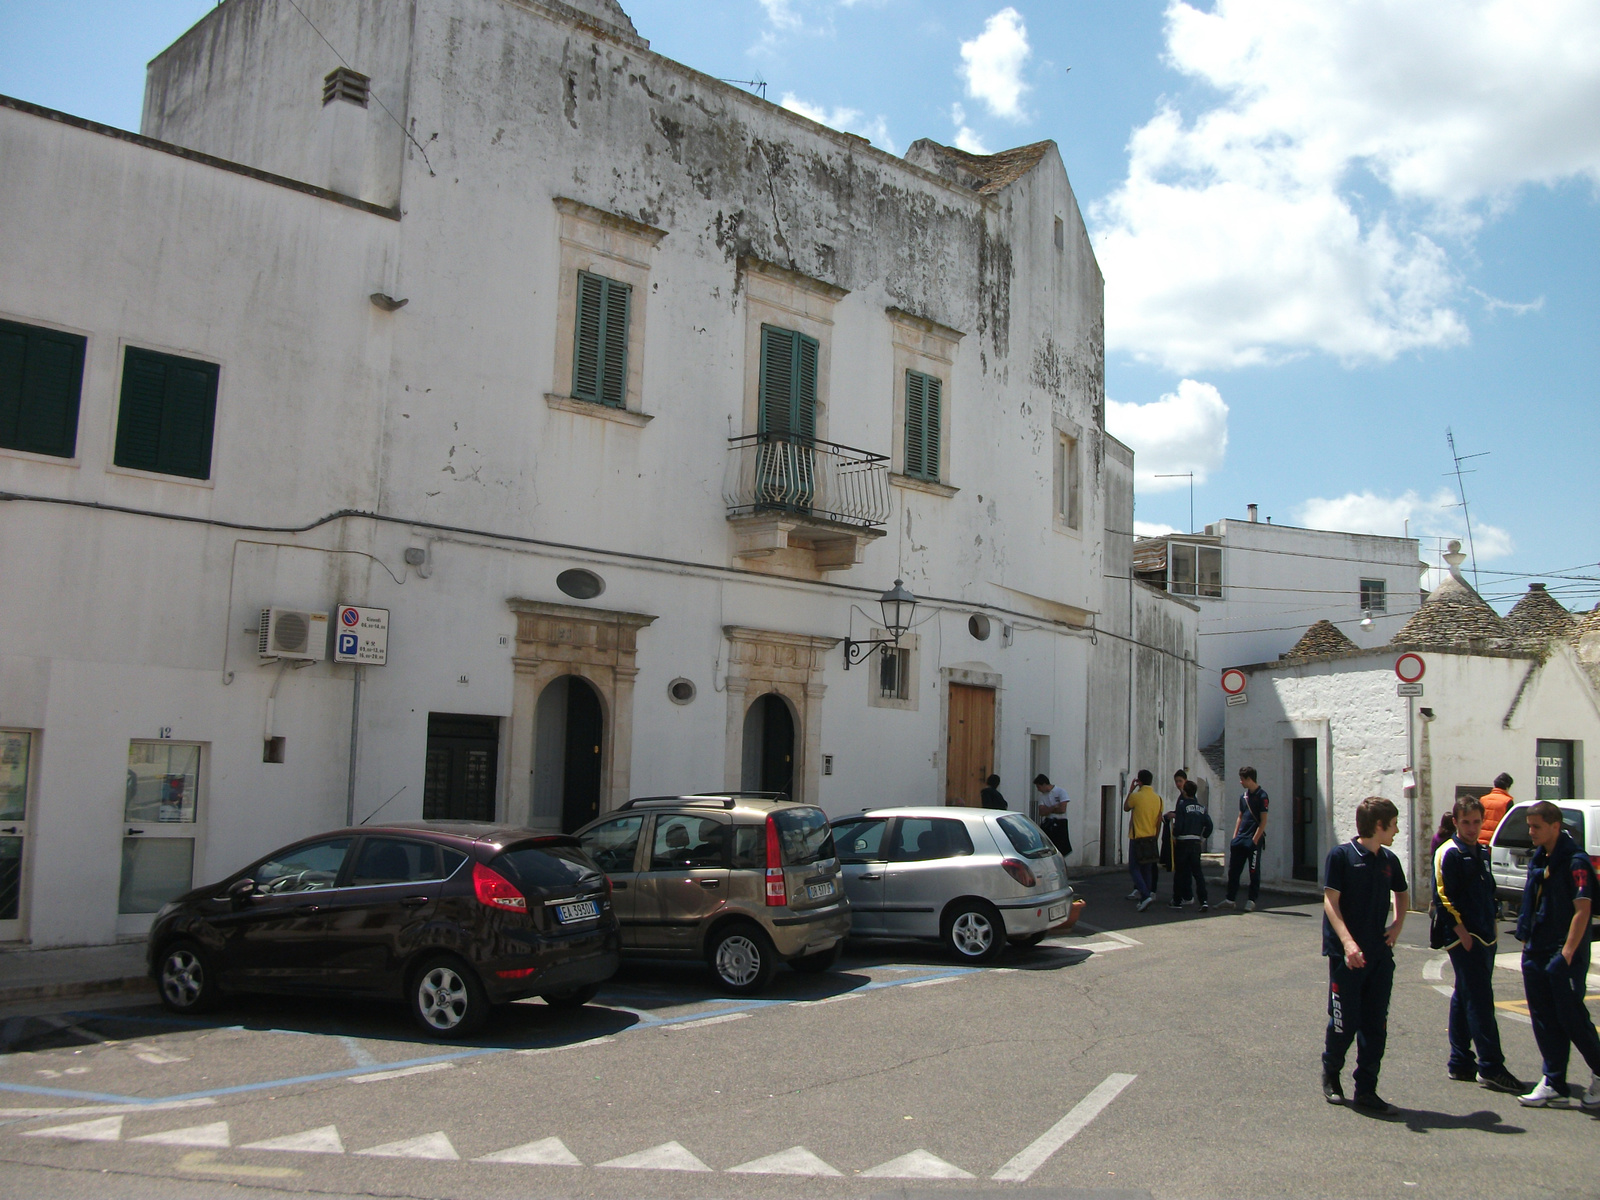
x=127 y=985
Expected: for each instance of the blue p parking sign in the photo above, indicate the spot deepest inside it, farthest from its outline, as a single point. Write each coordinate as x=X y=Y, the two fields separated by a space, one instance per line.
x=348 y=643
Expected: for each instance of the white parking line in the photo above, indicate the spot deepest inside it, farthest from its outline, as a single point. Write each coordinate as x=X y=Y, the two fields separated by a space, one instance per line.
x=918 y=1164
x=930 y=982
x=434 y=1145
x=696 y=1024
x=1020 y=1168
x=669 y=1156
x=570 y=1045
x=376 y=1076
x=546 y=1152
x=796 y=1160
x=106 y=1109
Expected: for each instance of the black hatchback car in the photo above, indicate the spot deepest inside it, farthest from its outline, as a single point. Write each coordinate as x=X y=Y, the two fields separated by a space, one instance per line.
x=451 y=918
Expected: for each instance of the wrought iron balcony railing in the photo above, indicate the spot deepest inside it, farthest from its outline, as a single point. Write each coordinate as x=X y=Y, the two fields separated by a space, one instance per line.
x=783 y=473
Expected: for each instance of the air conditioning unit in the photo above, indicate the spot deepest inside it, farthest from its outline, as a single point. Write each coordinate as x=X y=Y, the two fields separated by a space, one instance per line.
x=294 y=633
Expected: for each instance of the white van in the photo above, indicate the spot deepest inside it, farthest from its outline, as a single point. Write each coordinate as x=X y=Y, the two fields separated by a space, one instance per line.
x=1512 y=848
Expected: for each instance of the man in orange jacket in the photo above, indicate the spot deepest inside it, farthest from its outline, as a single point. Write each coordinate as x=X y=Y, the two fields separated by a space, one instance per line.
x=1494 y=807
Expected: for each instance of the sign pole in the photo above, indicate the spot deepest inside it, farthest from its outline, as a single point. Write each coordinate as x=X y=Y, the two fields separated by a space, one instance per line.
x=355 y=730
x=1411 y=762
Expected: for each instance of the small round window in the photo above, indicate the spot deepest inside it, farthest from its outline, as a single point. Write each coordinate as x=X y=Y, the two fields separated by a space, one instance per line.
x=681 y=690
x=580 y=584
x=978 y=626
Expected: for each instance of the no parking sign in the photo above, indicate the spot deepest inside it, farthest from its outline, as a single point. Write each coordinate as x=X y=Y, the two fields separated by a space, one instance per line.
x=361 y=635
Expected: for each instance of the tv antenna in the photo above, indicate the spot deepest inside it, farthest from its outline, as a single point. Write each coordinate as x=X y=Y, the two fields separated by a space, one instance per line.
x=1461 y=488
x=756 y=85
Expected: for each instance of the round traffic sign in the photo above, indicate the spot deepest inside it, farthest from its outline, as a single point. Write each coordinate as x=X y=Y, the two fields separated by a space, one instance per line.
x=349 y=615
x=1410 y=667
x=1233 y=681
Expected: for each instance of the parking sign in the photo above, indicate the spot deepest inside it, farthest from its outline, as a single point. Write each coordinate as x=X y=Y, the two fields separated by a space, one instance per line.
x=361 y=636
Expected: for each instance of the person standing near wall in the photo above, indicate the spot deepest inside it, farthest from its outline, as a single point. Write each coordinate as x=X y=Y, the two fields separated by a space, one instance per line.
x=1495 y=805
x=1557 y=901
x=1360 y=880
x=1053 y=813
x=990 y=796
x=1191 y=826
x=1144 y=835
x=1249 y=832
x=1463 y=923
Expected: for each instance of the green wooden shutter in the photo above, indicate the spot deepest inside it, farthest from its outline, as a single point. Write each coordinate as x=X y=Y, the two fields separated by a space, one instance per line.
x=41 y=381
x=916 y=453
x=933 y=388
x=614 y=346
x=167 y=414
x=778 y=353
x=805 y=373
x=600 y=349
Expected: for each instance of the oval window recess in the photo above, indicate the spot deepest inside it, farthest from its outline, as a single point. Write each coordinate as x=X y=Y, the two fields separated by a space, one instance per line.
x=978 y=626
x=681 y=691
x=580 y=584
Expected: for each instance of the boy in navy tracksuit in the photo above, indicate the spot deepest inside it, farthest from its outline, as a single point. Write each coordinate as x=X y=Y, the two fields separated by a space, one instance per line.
x=1464 y=923
x=1249 y=832
x=1359 y=881
x=1191 y=826
x=1557 y=902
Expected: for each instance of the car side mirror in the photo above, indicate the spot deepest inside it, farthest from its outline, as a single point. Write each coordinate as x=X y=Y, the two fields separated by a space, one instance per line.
x=241 y=890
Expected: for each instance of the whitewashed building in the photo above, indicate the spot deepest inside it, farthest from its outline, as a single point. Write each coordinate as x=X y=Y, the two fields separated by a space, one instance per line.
x=623 y=392
x=1326 y=726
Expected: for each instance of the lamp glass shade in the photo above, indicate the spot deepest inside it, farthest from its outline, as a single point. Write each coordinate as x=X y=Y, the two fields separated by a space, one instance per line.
x=898 y=606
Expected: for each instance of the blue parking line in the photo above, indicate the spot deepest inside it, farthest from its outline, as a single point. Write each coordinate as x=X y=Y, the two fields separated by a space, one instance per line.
x=476 y=1052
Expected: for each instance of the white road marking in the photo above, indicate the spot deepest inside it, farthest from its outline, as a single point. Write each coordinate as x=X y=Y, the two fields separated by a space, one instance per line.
x=1109 y=933
x=106 y=1129
x=313 y=1141
x=429 y=1145
x=1434 y=971
x=930 y=982
x=570 y=1046
x=359 y=1054
x=547 y=1152
x=1094 y=947
x=919 y=1164
x=106 y=1109
x=424 y=1069
x=717 y=1020
x=214 y=1134
x=833 y=999
x=1020 y=1168
x=669 y=1156
x=154 y=1055
x=796 y=1160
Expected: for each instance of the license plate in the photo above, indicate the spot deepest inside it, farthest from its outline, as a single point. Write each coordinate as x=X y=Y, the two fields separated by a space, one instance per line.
x=1057 y=911
x=583 y=910
x=820 y=891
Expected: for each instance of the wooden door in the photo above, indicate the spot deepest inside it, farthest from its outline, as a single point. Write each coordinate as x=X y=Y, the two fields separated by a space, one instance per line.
x=969 y=745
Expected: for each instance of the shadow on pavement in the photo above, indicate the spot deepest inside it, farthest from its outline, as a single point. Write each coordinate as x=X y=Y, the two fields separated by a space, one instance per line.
x=1426 y=1121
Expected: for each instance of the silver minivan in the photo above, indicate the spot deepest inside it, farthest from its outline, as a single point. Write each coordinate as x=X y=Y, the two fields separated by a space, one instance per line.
x=972 y=878
x=1512 y=848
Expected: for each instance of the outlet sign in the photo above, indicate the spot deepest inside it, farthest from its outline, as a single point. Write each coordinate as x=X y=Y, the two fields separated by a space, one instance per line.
x=361 y=635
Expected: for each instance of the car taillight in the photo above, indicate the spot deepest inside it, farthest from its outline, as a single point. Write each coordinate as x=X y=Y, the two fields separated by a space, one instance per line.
x=777 y=890
x=495 y=890
x=1019 y=871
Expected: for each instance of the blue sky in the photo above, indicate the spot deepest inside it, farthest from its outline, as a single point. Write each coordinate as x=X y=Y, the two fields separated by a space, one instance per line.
x=1329 y=232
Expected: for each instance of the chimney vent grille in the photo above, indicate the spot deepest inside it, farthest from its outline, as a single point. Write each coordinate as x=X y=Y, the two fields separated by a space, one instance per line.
x=342 y=83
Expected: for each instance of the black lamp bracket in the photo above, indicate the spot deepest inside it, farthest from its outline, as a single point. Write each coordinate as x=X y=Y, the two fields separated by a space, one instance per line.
x=857 y=652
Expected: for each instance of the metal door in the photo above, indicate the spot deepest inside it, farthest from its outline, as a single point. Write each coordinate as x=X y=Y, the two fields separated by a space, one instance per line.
x=862 y=863
x=16 y=775
x=459 y=776
x=1307 y=808
x=685 y=881
x=163 y=812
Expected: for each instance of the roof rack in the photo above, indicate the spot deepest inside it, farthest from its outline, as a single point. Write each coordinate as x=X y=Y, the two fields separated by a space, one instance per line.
x=702 y=800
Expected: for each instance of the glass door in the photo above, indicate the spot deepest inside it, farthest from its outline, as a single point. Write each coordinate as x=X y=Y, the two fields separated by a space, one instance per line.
x=161 y=829
x=16 y=763
x=1306 y=808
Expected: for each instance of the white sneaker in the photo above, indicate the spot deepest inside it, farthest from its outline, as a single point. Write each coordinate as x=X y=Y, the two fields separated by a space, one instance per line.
x=1591 y=1098
x=1147 y=901
x=1133 y=895
x=1249 y=906
x=1226 y=904
x=1546 y=1096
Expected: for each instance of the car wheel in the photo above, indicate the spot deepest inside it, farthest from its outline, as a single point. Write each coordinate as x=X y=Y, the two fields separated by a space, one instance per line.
x=974 y=932
x=576 y=998
x=447 y=999
x=187 y=979
x=742 y=958
x=816 y=964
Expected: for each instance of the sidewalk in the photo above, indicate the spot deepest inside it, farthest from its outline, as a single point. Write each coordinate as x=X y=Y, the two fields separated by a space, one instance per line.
x=70 y=971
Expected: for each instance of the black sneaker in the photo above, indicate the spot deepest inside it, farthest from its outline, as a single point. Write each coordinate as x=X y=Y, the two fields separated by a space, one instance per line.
x=1502 y=1080
x=1371 y=1102
x=1205 y=908
x=1465 y=1075
x=1175 y=907
x=1332 y=1089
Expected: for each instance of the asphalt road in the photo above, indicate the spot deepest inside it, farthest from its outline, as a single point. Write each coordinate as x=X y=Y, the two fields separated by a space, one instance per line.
x=1159 y=1055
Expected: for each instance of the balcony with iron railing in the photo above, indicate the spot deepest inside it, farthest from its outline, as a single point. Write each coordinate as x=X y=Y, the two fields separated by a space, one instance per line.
x=785 y=492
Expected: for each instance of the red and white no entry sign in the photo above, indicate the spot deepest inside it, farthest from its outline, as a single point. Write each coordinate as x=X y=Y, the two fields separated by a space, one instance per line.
x=1410 y=667
x=1233 y=681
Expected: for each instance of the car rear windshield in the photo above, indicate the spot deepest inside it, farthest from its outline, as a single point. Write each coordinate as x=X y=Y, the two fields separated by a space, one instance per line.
x=1512 y=832
x=1026 y=836
x=546 y=866
x=804 y=835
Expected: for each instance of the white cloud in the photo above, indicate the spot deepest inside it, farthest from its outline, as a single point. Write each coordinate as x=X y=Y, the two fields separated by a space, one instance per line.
x=992 y=62
x=1146 y=529
x=851 y=120
x=1239 y=236
x=965 y=138
x=1186 y=430
x=781 y=14
x=1435 y=520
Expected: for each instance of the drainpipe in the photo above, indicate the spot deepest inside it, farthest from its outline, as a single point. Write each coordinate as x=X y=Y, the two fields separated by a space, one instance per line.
x=1422 y=828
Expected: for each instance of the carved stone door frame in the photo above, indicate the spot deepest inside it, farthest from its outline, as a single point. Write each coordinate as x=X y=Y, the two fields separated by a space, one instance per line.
x=596 y=644
x=790 y=664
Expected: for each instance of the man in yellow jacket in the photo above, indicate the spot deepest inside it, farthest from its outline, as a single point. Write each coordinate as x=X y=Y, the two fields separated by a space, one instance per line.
x=1144 y=842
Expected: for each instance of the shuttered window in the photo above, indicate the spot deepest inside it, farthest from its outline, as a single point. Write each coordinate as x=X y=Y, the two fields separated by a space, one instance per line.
x=600 y=352
x=41 y=379
x=168 y=409
x=924 y=398
x=788 y=383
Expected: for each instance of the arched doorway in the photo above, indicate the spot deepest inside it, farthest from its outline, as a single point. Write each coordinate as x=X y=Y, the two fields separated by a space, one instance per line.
x=569 y=731
x=769 y=746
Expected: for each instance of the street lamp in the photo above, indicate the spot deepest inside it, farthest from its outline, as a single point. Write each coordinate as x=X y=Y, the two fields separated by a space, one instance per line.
x=898 y=607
